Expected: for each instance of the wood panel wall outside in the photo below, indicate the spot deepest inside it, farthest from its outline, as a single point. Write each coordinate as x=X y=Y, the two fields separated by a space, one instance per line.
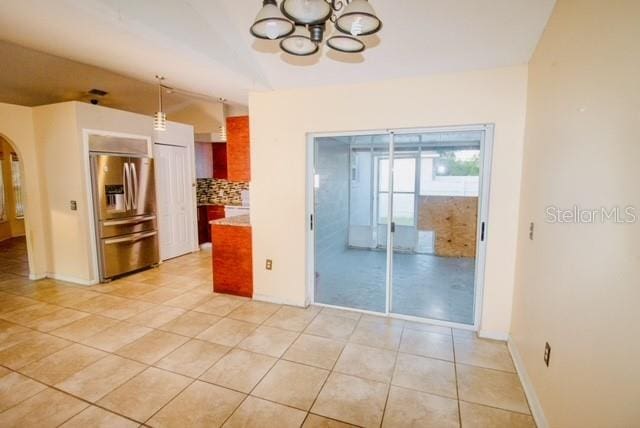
x=238 y=149
x=453 y=219
x=232 y=260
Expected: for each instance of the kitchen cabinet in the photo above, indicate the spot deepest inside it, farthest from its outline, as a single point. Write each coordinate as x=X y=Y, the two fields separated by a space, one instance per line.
x=232 y=257
x=219 y=154
x=204 y=160
x=211 y=160
x=206 y=213
x=238 y=149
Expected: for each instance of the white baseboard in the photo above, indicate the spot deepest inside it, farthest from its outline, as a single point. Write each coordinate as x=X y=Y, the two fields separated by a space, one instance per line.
x=36 y=277
x=276 y=300
x=493 y=335
x=204 y=246
x=71 y=279
x=530 y=392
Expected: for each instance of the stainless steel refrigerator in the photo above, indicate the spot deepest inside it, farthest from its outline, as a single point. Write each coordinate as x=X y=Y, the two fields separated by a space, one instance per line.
x=125 y=213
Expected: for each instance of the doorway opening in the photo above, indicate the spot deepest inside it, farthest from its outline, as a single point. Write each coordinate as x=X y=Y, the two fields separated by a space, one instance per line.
x=399 y=221
x=14 y=258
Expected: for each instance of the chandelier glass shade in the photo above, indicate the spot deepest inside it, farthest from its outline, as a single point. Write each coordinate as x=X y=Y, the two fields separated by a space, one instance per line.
x=300 y=25
x=307 y=11
x=299 y=43
x=270 y=23
x=358 y=19
x=345 y=44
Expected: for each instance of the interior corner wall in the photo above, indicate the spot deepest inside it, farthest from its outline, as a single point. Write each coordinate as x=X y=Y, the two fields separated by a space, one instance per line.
x=281 y=121
x=60 y=158
x=577 y=284
x=205 y=117
x=16 y=125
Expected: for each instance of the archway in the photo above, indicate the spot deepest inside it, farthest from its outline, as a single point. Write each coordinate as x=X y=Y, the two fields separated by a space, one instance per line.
x=14 y=252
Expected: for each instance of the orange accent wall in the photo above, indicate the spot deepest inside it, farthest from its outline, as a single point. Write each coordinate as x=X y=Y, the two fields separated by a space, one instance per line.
x=238 y=149
x=232 y=260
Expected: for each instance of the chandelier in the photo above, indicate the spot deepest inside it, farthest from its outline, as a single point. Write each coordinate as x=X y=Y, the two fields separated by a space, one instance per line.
x=300 y=25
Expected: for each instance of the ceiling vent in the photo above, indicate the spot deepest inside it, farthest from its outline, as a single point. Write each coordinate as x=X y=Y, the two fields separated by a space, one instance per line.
x=98 y=92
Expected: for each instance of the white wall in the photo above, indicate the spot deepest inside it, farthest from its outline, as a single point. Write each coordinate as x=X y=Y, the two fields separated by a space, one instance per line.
x=578 y=285
x=281 y=120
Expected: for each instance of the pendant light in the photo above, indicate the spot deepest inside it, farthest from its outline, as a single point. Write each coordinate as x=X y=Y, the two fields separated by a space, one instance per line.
x=160 y=118
x=223 y=127
x=358 y=19
x=270 y=24
x=299 y=43
x=307 y=11
x=346 y=44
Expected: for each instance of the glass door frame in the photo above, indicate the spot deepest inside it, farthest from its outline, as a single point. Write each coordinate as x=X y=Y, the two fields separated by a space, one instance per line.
x=486 y=152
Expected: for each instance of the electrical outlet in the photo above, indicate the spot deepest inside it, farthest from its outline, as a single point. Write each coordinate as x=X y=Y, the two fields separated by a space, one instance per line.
x=547 y=353
x=269 y=264
x=73 y=205
x=531 y=230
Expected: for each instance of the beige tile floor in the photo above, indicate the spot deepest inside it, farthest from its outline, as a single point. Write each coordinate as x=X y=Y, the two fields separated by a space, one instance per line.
x=160 y=349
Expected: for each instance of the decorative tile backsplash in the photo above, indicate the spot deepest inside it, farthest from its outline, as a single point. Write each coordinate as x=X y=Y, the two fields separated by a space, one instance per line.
x=213 y=191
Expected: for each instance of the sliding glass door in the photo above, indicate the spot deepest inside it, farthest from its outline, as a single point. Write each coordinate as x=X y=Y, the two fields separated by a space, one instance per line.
x=435 y=231
x=350 y=258
x=426 y=209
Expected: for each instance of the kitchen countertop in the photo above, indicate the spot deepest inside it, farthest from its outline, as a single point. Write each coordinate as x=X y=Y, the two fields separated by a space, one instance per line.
x=241 y=220
x=220 y=204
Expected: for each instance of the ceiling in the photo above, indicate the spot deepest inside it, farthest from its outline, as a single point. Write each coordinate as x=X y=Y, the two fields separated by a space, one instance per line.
x=32 y=78
x=204 y=46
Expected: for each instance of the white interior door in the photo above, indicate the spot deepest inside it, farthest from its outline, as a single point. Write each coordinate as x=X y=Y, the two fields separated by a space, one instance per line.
x=174 y=200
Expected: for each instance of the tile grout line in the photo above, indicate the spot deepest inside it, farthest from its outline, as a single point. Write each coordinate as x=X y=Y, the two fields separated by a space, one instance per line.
x=194 y=379
x=90 y=403
x=455 y=371
x=71 y=343
x=268 y=371
x=332 y=370
x=393 y=373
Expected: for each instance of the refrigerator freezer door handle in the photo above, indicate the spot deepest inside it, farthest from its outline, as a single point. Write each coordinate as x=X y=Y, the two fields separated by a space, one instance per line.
x=125 y=183
x=134 y=186
x=129 y=221
x=130 y=239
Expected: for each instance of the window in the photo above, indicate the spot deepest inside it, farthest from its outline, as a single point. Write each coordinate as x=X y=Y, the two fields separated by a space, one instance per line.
x=3 y=203
x=16 y=180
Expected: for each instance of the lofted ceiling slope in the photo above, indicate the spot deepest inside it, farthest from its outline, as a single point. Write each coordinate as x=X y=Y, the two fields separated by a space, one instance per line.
x=204 y=46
